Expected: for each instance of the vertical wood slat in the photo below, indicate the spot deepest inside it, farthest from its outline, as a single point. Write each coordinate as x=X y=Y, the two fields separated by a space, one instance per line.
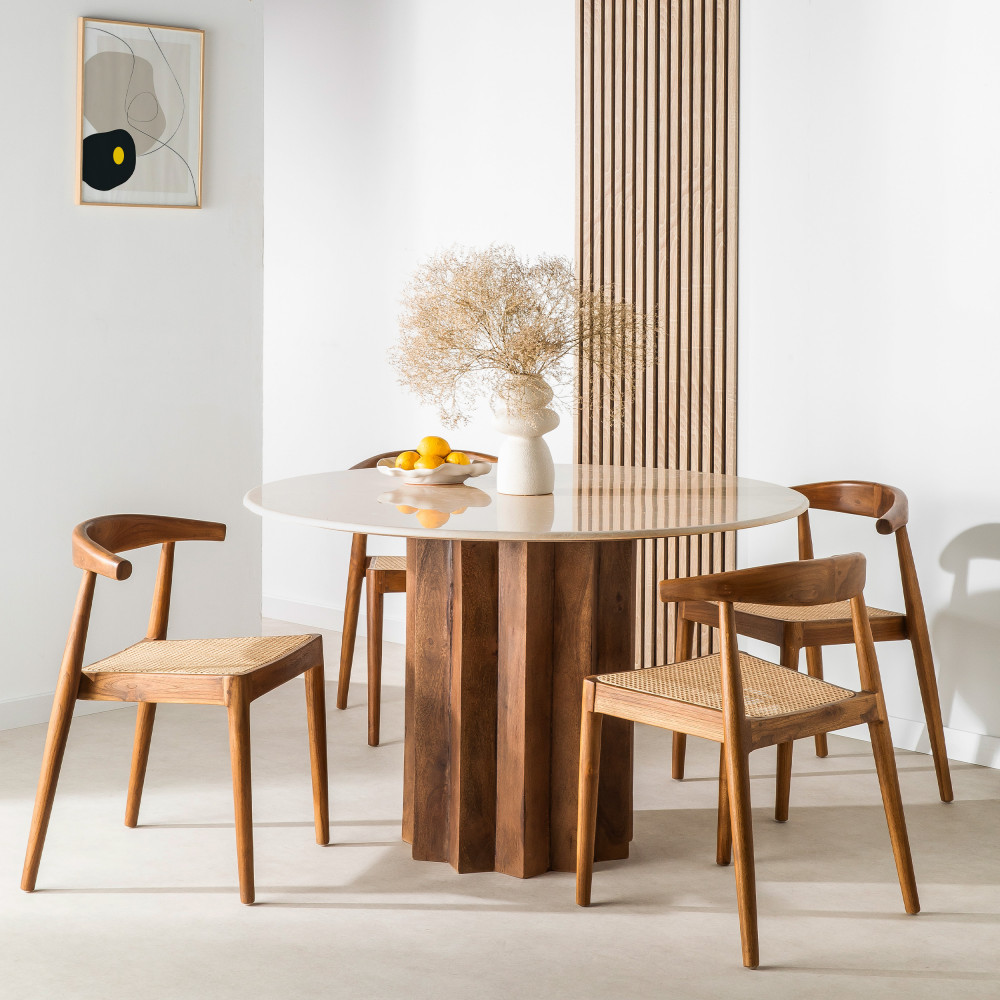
x=609 y=210
x=639 y=148
x=627 y=283
x=732 y=230
x=592 y=590
x=651 y=606
x=428 y=681
x=585 y=194
x=524 y=709
x=658 y=129
x=472 y=776
x=450 y=763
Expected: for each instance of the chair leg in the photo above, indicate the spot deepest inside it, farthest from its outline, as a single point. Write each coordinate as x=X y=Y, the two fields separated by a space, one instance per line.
x=352 y=601
x=140 y=757
x=586 y=823
x=316 y=714
x=783 y=780
x=888 y=779
x=724 y=827
x=814 y=667
x=738 y=774
x=677 y=756
x=683 y=647
x=783 y=784
x=239 y=751
x=375 y=601
x=55 y=747
x=932 y=703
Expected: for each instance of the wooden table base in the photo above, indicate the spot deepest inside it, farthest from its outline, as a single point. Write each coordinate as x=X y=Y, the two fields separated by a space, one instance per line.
x=499 y=639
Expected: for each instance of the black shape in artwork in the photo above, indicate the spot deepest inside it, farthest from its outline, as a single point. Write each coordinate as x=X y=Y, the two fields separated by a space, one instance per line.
x=108 y=159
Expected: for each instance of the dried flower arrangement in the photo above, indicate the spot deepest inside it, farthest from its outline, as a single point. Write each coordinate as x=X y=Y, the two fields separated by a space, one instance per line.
x=479 y=323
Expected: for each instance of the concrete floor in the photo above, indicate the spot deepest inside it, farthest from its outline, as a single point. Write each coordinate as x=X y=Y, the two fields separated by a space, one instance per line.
x=154 y=912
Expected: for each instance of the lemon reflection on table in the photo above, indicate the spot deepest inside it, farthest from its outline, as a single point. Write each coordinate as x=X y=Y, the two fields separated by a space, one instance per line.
x=434 y=506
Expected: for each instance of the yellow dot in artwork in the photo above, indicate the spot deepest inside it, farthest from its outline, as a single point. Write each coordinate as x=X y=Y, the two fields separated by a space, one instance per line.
x=118 y=155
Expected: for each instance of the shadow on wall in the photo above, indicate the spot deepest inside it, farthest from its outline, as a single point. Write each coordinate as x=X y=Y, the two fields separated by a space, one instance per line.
x=967 y=632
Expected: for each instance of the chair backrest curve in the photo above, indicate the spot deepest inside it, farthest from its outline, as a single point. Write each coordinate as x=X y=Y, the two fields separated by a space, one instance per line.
x=803 y=582
x=96 y=542
x=886 y=503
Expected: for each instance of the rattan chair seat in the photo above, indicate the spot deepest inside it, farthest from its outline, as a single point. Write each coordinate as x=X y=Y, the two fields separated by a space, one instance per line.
x=388 y=563
x=768 y=689
x=209 y=657
x=816 y=613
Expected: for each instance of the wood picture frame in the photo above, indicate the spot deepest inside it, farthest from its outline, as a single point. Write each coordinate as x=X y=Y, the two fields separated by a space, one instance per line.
x=140 y=97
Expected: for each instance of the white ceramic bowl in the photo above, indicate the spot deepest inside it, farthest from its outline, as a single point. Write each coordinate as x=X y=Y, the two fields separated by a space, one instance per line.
x=446 y=474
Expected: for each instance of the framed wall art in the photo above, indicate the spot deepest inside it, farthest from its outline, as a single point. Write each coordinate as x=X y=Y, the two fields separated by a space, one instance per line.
x=139 y=114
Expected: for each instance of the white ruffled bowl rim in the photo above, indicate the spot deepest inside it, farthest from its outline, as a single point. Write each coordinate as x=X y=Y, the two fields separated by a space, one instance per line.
x=446 y=474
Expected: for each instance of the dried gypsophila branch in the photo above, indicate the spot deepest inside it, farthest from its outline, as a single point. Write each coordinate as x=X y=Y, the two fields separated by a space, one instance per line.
x=476 y=323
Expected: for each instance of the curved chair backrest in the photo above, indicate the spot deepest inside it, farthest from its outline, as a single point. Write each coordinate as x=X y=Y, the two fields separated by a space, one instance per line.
x=95 y=546
x=96 y=542
x=886 y=503
x=370 y=463
x=802 y=583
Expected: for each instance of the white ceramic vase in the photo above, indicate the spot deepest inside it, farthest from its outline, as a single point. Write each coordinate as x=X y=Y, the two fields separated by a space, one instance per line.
x=522 y=415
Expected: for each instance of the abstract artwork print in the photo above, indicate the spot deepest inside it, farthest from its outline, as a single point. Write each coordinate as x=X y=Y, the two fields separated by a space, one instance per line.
x=139 y=114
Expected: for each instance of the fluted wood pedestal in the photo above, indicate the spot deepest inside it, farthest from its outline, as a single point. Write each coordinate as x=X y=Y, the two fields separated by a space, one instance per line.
x=499 y=638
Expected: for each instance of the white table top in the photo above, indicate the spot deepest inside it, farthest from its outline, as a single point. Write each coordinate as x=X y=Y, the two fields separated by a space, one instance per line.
x=589 y=502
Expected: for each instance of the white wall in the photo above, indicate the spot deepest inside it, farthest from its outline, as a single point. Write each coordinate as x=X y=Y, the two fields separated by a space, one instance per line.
x=393 y=130
x=869 y=316
x=131 y=351
x=867 y=262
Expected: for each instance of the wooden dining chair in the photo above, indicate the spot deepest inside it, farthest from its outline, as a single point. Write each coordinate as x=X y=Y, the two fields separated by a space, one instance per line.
x=791 y=629
x=745 y=703
x=228 y=672
x=381 y=575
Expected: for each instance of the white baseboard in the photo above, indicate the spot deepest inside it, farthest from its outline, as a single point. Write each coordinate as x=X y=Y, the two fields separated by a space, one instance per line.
x=331 y=619
x=971 y=748
x=18 y=712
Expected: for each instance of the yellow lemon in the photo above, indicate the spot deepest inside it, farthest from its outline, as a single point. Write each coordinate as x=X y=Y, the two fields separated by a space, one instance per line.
x=406 y=460
x=432 y=518
x=428 y=462
x=458 y=458
x=435 y=446
x=405 y=509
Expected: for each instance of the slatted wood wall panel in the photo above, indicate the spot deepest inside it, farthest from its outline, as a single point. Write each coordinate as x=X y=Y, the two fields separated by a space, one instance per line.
x=658 y=106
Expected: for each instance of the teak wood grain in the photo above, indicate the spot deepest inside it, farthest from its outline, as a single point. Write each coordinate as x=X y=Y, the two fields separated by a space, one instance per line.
x=449 y=799
x=472 y=765
x=159 y=616
x=239 y=750
x=889 y=507
x=795 y=584
x=96 y=544
x=500 y=636
x=428 y=708
x=594 y=605
x=524 y=707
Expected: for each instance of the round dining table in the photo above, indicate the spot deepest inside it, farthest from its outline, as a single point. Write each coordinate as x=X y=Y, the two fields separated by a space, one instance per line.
x=511 y=601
